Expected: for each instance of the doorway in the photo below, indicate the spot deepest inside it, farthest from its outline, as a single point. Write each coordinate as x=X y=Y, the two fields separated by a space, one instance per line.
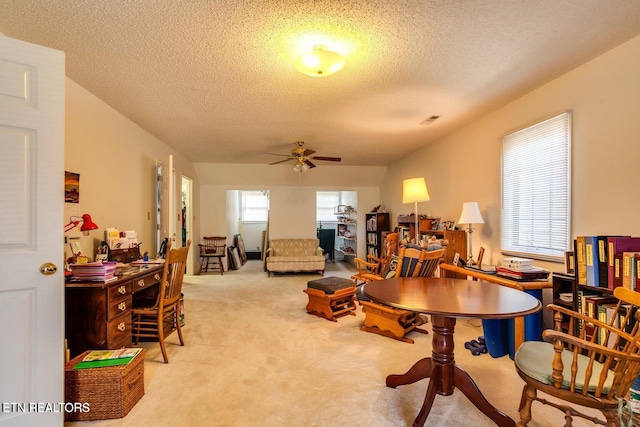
x=186 y=218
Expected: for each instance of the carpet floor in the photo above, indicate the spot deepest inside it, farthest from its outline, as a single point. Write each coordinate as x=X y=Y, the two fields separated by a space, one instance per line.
x=254 y=357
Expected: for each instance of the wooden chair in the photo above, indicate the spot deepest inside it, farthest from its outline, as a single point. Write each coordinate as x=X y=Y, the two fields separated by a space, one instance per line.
x=375 y=267
x=394 y=322
x=574 y=368
x=212 y=251
x=161 y=318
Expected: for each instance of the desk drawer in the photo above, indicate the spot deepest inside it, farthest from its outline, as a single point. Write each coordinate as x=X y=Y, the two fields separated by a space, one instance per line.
x=119 y=291
x=117 y=307
x=119 y=332
x=146 y=281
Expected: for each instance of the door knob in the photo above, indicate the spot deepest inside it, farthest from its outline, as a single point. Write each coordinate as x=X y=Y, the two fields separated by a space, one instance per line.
x=48 y=268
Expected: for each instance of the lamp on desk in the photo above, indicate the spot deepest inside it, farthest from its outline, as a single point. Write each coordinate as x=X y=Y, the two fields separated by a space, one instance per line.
x=414 y=190
x=87 y=224
x=470 y=215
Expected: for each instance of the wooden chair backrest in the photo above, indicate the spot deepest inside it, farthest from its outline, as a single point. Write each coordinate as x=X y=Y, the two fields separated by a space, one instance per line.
x=213 y=246
x=173 y=275
x=388 y=249
x=620 y=355
x=414 y=262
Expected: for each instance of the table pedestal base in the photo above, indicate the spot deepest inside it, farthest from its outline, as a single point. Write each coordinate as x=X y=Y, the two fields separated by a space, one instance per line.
x=445 y=376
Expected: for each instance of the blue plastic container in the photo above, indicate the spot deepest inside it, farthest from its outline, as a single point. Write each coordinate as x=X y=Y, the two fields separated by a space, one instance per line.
x=496 y=336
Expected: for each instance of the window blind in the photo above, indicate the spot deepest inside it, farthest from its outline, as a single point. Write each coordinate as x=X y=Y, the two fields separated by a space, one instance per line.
x=536 y=189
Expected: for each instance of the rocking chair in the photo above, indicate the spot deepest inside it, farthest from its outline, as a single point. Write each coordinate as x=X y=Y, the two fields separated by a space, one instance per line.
x=394 y=322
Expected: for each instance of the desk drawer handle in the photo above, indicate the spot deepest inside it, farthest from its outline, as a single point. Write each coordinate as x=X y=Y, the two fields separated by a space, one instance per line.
x=141 y=282
x=156 y=276
x=122 y=306
x=122 y=290
x=121 y=327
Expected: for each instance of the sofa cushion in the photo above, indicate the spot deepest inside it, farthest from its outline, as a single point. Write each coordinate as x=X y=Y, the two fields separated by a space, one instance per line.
x=294 y=247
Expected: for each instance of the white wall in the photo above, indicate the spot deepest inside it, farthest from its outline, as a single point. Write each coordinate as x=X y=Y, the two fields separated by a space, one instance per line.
x=604 y=95
x=292 y=196
x=116 y=161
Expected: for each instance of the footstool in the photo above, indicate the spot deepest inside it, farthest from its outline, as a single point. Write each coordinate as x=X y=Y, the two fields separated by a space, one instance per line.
x=331 y=297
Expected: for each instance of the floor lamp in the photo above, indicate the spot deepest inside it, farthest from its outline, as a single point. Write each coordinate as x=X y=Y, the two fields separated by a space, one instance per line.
x=470 y=215
x=414 y=190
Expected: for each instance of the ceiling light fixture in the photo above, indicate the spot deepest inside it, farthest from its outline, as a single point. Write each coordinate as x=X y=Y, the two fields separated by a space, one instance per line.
x=300 y=167
x=320 y=62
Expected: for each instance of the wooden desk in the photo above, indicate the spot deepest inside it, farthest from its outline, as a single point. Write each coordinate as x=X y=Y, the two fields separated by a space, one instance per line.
x=503 y=281
x=445 y=300
x=98 y=315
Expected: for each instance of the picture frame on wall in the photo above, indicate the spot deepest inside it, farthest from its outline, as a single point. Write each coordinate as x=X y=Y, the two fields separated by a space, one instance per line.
x=71 y=187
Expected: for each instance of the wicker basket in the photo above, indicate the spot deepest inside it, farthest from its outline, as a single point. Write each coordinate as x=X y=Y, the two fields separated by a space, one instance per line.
x=110 y=392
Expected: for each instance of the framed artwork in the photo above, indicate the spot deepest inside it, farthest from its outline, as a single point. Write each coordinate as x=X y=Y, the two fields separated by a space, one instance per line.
x=405 y=233
x=71 y=187
x=241 y=251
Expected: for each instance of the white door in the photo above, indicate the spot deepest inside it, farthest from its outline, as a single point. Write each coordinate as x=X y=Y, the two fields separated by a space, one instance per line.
x=31 y=234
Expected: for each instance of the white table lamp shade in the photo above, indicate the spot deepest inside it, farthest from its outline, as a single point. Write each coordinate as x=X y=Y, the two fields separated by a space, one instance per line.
x=470 y=214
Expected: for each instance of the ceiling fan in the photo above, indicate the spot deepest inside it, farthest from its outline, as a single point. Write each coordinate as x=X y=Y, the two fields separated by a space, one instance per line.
x=302 y=157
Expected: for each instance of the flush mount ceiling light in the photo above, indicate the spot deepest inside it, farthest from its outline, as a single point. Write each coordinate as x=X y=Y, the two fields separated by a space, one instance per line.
x=320 y=62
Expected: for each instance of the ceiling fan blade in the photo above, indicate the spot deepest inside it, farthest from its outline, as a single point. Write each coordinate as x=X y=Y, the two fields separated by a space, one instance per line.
x=308 y=162
x=281 y=161
x=328 y=159
x=276 y=154
x=307 y=152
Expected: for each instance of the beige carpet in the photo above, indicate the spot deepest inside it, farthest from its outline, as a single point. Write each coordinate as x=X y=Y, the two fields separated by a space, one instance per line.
x=254 y=357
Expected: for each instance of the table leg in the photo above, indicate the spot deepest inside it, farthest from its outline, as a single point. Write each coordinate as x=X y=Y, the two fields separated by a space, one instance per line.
x=444 y=376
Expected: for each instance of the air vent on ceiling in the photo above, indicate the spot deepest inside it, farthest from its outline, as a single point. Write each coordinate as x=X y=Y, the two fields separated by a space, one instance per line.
x=429 y=120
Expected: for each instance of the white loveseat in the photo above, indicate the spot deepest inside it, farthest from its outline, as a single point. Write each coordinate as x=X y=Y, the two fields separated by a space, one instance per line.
x=294 y=255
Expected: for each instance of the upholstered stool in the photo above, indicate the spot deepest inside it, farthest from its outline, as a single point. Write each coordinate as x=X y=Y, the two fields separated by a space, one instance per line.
x=331 y=297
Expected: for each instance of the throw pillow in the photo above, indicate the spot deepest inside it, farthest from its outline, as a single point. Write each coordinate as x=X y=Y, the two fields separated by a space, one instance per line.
x=390 y=271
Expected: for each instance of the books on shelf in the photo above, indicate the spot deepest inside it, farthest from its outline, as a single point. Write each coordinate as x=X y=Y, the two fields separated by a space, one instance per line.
x=104 y=358
x=523 y=273
x=98 y=271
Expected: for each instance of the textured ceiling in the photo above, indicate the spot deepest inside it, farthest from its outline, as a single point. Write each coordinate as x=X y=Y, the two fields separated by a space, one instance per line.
x=215 y=79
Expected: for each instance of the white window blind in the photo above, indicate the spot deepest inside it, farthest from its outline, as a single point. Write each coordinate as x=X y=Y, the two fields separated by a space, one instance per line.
x=255 y=206
x=536 y=189
x=326 y=201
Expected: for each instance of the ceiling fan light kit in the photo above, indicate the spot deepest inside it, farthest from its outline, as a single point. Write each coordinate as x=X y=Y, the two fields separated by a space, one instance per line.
x=302 y=157
x=320 y=62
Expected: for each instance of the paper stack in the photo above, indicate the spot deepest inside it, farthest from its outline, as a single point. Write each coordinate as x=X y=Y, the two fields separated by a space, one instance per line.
x=94 y=271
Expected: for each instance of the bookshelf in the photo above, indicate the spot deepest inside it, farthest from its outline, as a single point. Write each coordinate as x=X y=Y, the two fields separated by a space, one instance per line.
x=347 y=230
x=377 y=225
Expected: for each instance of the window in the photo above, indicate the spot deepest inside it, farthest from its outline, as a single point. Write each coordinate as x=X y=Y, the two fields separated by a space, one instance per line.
x=536 y=189
x=326 y=201
x=255 y=206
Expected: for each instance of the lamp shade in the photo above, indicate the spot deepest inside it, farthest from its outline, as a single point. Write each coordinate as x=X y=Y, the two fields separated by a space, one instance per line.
x=319 y=62
x=470 y=214
x=414 y=190
x=87 y=223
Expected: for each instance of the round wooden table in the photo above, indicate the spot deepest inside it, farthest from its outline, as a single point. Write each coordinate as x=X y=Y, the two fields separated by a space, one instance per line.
x=446 y=300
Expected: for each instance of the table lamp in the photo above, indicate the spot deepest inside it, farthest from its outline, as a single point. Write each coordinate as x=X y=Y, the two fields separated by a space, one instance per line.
x=470 y=215
x=87 y=224
x=414 y=190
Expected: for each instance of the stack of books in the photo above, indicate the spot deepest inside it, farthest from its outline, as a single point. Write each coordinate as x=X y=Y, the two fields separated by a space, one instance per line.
x=102 y=358
x=521 y=269
x=94 y=271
